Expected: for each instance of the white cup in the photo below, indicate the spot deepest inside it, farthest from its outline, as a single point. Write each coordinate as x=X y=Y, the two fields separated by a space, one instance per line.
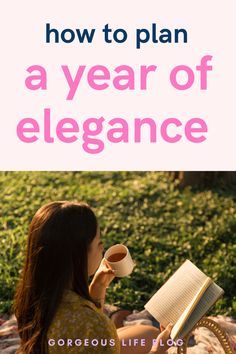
x=122 y=266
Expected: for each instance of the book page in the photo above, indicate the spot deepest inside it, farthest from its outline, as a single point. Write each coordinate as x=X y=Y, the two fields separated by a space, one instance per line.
x=170 y=301
x=189 y=309
x=208 y=299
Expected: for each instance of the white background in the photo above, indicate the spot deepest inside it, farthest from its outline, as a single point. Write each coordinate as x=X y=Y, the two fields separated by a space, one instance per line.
x=211 y=30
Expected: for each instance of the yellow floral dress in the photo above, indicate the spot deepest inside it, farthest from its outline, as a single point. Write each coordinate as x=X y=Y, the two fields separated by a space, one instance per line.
x=80 y=327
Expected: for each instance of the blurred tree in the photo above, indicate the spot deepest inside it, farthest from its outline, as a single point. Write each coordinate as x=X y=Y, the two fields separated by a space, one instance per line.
x=204 y=178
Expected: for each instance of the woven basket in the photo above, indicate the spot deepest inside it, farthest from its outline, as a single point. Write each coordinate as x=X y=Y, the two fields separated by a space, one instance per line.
x=214 y=328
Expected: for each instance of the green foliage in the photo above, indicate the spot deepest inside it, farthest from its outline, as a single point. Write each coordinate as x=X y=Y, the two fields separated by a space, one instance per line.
x=161 y=224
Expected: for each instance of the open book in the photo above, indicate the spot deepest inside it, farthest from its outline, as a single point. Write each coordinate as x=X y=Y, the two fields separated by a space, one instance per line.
x=184 y=299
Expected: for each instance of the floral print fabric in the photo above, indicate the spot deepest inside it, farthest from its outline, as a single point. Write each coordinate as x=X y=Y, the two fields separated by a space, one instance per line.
x=80 y=327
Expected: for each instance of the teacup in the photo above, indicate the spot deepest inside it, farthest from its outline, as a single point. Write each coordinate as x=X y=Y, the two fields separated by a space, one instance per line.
x=119 y=258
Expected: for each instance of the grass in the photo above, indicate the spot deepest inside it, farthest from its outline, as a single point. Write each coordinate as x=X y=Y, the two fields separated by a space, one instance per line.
x=161 y=224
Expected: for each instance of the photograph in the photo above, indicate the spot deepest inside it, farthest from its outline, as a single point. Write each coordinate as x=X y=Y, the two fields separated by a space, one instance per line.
x=117 y=262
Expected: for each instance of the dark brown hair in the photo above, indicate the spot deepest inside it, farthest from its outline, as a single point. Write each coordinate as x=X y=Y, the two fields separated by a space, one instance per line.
x=58 y=242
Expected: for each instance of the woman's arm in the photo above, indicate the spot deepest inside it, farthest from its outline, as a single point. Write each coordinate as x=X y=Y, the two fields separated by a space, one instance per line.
x=160 y=347
x=97 y=293
x=101 y=280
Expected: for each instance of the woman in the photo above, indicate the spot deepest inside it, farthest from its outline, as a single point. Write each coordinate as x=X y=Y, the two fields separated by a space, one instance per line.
x=57 y=310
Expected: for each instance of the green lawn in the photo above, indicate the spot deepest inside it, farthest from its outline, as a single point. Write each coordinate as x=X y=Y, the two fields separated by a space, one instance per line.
x=160 y=223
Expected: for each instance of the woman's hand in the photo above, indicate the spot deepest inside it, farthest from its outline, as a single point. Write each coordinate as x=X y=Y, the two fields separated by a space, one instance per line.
x=104 y=275
x=101 y=280
x=161 y=346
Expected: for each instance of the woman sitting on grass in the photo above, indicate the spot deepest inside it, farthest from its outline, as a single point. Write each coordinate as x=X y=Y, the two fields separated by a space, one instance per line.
x=56 y=309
